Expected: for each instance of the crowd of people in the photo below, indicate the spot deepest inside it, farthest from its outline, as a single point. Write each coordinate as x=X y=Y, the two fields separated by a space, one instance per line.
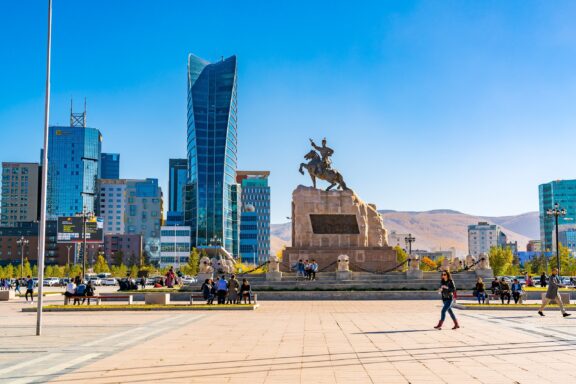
x=306 y=269
x=229 y=291
x=79 y=291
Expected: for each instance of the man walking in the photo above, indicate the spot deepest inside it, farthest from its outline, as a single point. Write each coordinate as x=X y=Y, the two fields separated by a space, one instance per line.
x=552 y=293
x=29 y=289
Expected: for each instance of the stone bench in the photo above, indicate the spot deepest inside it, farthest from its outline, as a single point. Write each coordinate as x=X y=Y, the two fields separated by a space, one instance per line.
x=7 y=294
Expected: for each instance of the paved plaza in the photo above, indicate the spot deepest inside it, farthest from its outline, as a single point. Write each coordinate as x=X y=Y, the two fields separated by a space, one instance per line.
x=288 y=342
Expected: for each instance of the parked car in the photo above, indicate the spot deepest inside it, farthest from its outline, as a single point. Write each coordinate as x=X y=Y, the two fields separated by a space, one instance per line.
x=51 y=282
x=187 y=280
x=110 y=281
x=95 y=281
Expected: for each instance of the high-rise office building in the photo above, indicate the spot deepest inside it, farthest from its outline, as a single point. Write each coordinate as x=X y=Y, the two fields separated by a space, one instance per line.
x=211 y=197
x=143 y=214
x=562 y=192
x=178 y=173
x=20 y=193
x=255 y=216
x=111 y=204
x=110 y=166
x=73 y=167
x=483 y=236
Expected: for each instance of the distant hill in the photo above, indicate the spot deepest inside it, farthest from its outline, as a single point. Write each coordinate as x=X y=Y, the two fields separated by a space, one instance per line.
x=437 y=229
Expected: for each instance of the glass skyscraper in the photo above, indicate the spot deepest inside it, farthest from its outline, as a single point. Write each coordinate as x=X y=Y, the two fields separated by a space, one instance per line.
x=211 y=198
x=73 y=167
x=177 y=181
x=255 y=216
x=110 y=166
x=562 y=192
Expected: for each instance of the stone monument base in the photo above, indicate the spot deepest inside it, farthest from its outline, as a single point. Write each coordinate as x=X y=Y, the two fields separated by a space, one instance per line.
x=273 y=276
x=365 y=259
x=485 y=274
x=343 y=275
x=414 y=274
x=201 y=277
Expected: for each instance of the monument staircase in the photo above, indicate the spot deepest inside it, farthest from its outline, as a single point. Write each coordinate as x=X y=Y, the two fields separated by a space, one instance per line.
x=360 y=281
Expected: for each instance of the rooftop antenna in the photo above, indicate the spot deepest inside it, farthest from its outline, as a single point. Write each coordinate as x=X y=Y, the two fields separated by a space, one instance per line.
x=78 y=119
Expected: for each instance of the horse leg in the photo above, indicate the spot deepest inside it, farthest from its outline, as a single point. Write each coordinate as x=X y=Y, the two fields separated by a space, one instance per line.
x=300 y=169
x=330 y=186
x=313 y=180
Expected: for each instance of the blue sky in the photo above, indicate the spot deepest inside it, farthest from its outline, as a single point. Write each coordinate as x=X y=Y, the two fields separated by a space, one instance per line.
x=467 y=105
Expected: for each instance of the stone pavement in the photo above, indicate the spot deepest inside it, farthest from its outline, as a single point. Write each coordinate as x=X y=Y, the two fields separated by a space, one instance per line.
x=289 y=342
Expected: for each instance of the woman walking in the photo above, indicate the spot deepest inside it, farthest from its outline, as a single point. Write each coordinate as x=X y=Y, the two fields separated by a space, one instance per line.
x=447 y=289
x=480 y=291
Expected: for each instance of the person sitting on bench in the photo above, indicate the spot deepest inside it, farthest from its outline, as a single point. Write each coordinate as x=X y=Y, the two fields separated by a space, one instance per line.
x=89 y=292
x=504 y=291
x=80 y=291
x=516 y=291
x=246 y=291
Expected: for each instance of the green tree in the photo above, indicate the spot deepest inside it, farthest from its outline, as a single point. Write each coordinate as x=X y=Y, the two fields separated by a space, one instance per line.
x=134 y=271
x=401 y=256
x=500 y=259
x=27 y=270
x=191 y=268
x=119 y=270
x=35 y=271
x=49 y=271
x=10 y=271
x=75 y=270
x=101 y=266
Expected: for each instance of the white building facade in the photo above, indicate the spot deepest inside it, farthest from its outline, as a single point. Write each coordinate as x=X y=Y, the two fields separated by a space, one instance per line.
x=483 y=236
x=174 y=246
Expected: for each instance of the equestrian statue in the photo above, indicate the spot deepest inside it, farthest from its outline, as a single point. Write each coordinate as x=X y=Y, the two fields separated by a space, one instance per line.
x=320 y=166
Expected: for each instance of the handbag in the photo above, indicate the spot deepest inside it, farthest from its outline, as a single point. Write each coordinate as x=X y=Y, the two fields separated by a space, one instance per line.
x=475 y=293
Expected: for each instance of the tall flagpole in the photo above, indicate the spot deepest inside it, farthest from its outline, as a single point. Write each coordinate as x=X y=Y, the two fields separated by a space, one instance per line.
x=42 y=234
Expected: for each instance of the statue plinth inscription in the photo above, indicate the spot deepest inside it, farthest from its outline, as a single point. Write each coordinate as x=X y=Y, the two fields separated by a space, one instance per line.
x=327 y=224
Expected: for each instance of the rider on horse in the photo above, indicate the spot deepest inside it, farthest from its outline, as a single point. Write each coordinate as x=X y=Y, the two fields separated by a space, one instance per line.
x=325 y=152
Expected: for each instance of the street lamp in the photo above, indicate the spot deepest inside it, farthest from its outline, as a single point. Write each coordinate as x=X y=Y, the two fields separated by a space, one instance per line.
x=22 y=243
x=68 y=247
x=409 y=240
x=557 y=212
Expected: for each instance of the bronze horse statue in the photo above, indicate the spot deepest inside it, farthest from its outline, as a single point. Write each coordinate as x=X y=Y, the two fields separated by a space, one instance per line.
x=317 y=169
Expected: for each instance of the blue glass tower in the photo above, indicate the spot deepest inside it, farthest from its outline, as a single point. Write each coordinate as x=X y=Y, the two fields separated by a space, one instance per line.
x=110 y=166
x=255 y=216
x=211 y=192
x=562 y=192
x=73 y=167
x=177 y=181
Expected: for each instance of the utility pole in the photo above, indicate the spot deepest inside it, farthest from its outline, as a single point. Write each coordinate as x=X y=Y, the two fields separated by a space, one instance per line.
x=68 y=247
x=409 y=240
x=22 y=243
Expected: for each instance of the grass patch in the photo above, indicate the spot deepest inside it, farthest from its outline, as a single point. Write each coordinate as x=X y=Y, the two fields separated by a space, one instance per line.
x=540 y=289
x=142 y=307
x=43 y=294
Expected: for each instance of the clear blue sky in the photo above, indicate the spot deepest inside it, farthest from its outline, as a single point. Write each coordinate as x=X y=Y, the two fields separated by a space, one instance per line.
x=467 y=105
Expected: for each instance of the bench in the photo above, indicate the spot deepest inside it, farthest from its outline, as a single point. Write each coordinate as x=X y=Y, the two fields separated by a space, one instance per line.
x=99 y=298
x=496 y=296
x=199 y=295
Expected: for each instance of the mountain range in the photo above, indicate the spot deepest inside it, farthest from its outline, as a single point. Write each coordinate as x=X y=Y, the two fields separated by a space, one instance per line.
x=437 y=229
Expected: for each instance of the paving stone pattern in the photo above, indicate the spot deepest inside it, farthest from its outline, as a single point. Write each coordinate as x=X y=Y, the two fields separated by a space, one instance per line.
x=290 y=342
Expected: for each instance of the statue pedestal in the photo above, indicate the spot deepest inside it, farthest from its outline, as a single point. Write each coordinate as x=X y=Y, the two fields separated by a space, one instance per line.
x=485 y=274
x=414 y=274
x=343 y=275
x=274 y=276
x=201 y=277
x=327 y=224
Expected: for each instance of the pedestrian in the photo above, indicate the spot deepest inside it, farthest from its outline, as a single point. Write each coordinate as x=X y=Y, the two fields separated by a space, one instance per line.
x=233 y=286
x=246 y=291
x=447 y=289
x=207 y=291
x=143 y=282
x=529 y=281
x=170 y=278
x=504 y=291
x=299 y=269
x=516 y=291
x=480 y=291
x=88 y=292
x=313 y=269
x=552 y=294
x=17 y=286
x=29 y=289
x=70 y=291
x=543 y=279
x=222 y=290
x=307 y=272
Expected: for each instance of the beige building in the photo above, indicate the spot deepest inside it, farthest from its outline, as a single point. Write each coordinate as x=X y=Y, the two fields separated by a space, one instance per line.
x=20 y=192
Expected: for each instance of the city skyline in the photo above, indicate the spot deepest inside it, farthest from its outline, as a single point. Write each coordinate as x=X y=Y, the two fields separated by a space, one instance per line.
x=448 y=100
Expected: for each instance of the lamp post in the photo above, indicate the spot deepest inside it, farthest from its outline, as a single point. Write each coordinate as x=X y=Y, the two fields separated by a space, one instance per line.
x=409 y=240
x=557 y=212
x=22 y=243
x=68 y=247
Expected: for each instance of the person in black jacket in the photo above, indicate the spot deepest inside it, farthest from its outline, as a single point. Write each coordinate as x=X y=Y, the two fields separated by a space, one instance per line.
x=208 y=291
x=447 y=289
